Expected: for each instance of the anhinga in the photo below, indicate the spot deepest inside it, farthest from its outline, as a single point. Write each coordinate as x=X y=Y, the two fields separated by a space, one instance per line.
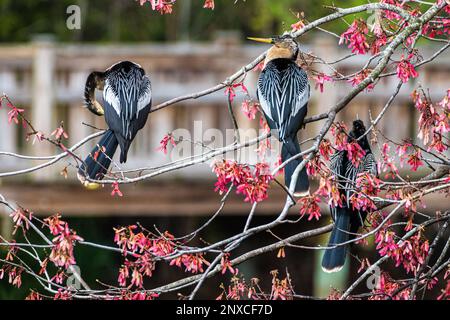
x=346 y=219
x=127 y=102
x=283 y=92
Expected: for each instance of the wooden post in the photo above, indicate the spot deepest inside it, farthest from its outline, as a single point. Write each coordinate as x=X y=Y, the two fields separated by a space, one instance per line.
x=43 y=94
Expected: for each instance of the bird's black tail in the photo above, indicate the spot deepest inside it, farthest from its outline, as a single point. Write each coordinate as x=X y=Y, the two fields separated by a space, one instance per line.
x=97 y=162
x=289 y=149
x=334 y=259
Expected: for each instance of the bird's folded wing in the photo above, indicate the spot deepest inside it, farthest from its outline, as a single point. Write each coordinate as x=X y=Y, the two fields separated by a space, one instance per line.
x=127 y=95
x=282 y=94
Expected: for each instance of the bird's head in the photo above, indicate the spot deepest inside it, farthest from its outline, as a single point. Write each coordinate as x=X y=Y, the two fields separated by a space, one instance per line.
x=284 y=47
x=358 y=128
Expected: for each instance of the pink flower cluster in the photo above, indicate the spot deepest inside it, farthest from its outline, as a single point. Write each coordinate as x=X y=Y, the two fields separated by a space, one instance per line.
x=386 y=164
x=230 y=90
x=281 y=289
x=310 y=206
x=411 y=253
x=320 y=79
x=116 y=189
x=168 y=138
x=356 y=80
x=21 y=218
x=239 y=290
x=338 y=131
x=250 y=109
x=163 y=6
x=355 y=36
x=63 y=243
x=389 y=14
x=143 y=249
x=14 y=113
x=328 y=188
x=355 y=153
x=226 y=265
x=253 y=185
x=191 y=262
x=14 y=275
x=431 y=121
x=413 y=158
x=367 y=186
x=387 y=288
x=405 y=69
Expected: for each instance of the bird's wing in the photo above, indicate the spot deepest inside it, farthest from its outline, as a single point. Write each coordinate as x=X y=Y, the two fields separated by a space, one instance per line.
x=336 y=161
x=283 y=93
x=144 y=95
x=269 y=90
x=127 y=93
x=368 y=164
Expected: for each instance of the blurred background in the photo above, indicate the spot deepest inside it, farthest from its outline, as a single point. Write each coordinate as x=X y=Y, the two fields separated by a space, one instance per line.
x=43 y=68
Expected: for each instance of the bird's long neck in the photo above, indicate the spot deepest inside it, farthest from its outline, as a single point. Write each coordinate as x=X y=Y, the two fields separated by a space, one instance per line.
x=278 y=53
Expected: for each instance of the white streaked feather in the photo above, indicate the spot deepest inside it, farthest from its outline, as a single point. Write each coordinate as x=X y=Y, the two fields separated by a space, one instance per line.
x=145 y=94
x=110 y=97
x=282 y=94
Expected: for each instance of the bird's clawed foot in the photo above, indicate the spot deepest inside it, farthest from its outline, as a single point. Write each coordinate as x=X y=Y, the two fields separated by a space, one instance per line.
x=87 y=184
x=302 y=194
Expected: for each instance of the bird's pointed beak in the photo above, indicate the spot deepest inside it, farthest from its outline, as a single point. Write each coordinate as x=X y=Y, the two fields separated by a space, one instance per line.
x=265 y=40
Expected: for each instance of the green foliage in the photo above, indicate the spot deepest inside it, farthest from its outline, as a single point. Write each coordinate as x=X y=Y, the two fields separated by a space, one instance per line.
x=127 y=21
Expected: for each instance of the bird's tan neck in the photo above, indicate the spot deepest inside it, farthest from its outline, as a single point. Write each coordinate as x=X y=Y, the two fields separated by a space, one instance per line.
x=277 y=53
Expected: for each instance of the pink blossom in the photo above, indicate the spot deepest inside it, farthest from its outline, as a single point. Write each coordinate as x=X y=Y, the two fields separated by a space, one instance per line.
x=209 y=4
x=163 y=6
x=123 y=276
x=355 y=153
x=250 y=109
x=414 y=159
x=405 y=69
x=192 y=262
x=356 y=80
x=355 y=36
x=230 y=90
x=320 y=80
x=367 y=186
x=338 y=130
x=168 y=138
x=39 y=136
x=225 y=265
x=325 y=149
x=59 y=132
x=55 y=225
x=14 y=113
x=379 y=42
x=21 y=218
x=298 y=25
x=116 y=190
x=62 y=250
x=310 y=205
x=387 y=162
x=281 y=289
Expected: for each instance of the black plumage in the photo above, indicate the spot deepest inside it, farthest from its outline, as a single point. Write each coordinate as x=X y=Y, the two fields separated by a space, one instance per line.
x=347 y=220
x=283 y=92
x=126 y=105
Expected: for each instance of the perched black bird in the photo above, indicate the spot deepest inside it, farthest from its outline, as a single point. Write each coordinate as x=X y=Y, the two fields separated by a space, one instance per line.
x=127 y=102
x=283 y=93
x=347 y=220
